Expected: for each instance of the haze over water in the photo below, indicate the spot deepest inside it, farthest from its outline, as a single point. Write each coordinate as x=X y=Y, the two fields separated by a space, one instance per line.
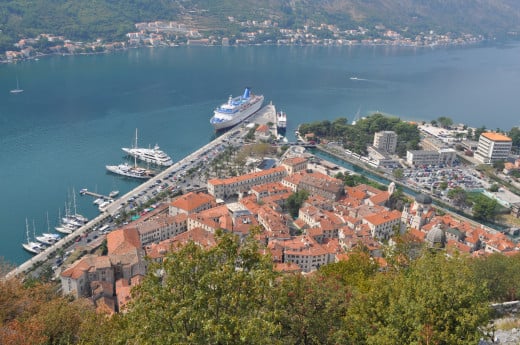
x=78 y=111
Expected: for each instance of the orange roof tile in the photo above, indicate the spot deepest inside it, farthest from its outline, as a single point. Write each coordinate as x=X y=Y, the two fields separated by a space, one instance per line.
x=294 y=161
x=121 y=241
x=192 y=201
x=496 y=136
x=384 y=217
x=247 y=177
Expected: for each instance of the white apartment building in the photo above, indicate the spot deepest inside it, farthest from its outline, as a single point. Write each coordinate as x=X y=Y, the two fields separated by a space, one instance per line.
x=493 y=147
x=385 y=141
x=422 y=157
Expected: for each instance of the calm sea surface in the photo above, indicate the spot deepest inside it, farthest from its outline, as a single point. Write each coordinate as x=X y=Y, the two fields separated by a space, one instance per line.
x=78 y=111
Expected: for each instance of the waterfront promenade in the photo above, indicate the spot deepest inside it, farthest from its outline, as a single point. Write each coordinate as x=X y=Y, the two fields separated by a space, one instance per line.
x=264 y=115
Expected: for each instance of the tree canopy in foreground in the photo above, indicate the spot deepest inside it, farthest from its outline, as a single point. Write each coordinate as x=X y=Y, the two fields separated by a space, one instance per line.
x=230 y=294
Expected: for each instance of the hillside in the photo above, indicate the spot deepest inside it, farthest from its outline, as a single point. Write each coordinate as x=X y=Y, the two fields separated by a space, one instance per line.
x=87 y=20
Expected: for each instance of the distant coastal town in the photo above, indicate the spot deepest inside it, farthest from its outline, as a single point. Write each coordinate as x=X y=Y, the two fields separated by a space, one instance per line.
x=171 y=33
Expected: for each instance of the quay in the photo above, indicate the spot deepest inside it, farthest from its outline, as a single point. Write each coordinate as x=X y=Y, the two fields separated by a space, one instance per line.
x=95 y=195
x=264 y=115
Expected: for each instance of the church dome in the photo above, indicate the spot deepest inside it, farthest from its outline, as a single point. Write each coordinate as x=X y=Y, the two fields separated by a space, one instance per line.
x=436 y=238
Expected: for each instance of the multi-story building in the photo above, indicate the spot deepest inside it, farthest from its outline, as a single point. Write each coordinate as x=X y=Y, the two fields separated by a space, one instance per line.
x=294 y=164
x=303 y=251
x=422 y=157
x=125 y=260
x=493 y=147
x=191 y=203
x=315 y=183
x=385 y=141
x=161 y=227
x=384 y=225
x=223 y=188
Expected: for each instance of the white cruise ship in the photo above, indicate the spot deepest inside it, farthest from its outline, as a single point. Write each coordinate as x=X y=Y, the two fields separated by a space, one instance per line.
x=149 y=155
x=236 y=110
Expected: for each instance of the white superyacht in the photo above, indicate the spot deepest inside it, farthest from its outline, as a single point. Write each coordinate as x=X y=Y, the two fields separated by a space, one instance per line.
x=149 y=155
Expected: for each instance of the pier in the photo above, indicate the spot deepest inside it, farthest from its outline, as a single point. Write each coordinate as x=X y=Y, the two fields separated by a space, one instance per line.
x=263 y=116
x=95 y=195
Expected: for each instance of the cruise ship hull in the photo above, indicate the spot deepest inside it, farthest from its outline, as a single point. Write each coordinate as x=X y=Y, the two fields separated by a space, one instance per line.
x=221 y=120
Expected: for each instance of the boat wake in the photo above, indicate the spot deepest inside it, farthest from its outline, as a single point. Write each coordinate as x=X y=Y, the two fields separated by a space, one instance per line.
x=358 y=79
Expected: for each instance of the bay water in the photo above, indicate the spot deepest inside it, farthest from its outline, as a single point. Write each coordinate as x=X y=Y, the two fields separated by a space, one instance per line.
x=76 y=112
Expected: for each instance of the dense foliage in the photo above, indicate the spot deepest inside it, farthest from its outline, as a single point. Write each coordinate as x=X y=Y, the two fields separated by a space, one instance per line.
x=230 y=294
x=356 y=137
x=295 y=201
x=353 y=180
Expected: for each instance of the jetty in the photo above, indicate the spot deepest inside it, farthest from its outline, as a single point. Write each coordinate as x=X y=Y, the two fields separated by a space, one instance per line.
x=264 y=115
x=85 y=191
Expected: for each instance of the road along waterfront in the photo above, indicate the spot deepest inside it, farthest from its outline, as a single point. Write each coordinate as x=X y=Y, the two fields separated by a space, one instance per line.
x=264 y=115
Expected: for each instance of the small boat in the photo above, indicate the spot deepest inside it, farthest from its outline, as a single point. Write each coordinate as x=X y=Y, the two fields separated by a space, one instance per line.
x=281 y=121
x=66 y=228
x=98 y=201
x=47 y=237
x=103 y=206
x=17 y=90
x=113 y=193
x=83 y=191
x=31 y=247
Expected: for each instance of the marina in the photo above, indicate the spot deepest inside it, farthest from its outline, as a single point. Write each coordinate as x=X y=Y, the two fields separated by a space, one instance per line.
x=55 y=140
x=266 y=114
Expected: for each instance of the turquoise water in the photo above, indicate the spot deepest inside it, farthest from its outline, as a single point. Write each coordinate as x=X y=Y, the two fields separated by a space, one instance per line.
x=78 y=111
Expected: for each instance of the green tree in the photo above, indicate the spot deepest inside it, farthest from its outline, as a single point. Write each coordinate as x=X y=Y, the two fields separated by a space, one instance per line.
x=215 y=296
x=484 y=208
x=445 y=122
x=398 y=173
x=500 y=274
x=499 y=165
x=354 y=272
x=435 y=301
x=458 y=196
x=310 y=308
x=514 y=134
x=494 y=188
x=478 y=132
x=295 y=201
x=470 y=133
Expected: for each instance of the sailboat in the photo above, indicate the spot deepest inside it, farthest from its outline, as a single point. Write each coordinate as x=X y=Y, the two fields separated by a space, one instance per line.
x=31 y=247
x=48 y=237
x=17 y=90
